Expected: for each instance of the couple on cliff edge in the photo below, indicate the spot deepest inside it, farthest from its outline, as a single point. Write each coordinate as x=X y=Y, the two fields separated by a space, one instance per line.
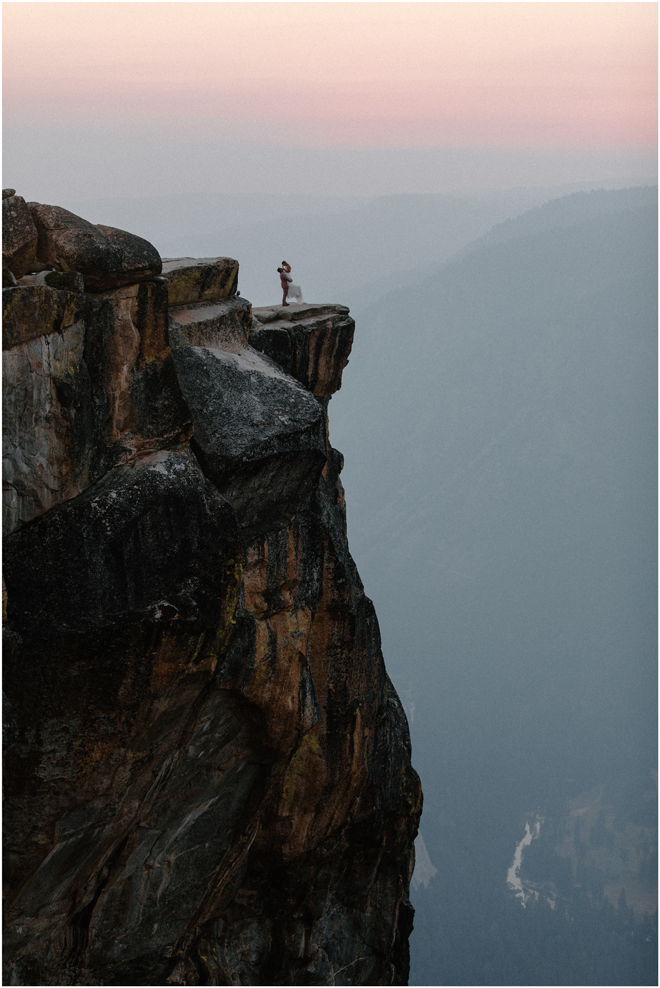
x=286 y=281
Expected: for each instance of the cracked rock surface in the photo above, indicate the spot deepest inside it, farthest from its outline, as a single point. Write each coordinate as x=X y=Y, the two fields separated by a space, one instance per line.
x=207 y=770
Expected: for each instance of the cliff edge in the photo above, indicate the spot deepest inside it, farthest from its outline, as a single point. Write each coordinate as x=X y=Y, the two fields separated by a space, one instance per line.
x=207 y=770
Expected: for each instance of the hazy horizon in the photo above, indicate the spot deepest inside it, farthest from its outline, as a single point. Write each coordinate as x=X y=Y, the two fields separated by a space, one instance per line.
x=317 y=98
x=37 y=162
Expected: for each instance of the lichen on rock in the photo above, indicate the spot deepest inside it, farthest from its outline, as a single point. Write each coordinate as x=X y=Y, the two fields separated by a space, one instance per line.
x=194 y=280
x=207 y=770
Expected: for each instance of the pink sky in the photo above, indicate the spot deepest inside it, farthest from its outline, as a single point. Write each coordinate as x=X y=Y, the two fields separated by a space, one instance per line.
x=332 y=74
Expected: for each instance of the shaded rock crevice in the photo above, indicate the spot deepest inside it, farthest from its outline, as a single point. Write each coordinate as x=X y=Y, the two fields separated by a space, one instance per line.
x=207 y=769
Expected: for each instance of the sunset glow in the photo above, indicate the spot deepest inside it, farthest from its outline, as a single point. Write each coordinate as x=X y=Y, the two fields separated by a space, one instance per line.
x=358 y=74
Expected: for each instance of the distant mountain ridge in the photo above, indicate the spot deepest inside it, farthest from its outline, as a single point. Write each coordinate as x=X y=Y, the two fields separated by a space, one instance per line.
x=502 y=485
x=570 y=210
x=354 y=248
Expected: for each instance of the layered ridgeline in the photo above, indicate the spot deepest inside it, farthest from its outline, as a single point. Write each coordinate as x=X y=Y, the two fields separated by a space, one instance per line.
x=356 y=248
x=502 y=492
x=207 y=770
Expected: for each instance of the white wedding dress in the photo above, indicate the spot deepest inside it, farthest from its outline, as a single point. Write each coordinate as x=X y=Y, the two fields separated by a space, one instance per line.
x=295 y=292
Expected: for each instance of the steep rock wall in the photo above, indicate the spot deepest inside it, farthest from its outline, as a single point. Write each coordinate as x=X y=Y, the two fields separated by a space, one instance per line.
x=207 y=769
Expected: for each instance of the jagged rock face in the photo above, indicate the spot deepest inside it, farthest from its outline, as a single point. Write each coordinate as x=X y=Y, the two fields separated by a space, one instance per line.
x=19 y=235
x=311 y=342
x=88 y=382
x=207 y=770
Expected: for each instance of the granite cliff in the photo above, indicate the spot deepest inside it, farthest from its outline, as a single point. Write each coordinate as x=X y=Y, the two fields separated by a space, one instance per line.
x=207 y=770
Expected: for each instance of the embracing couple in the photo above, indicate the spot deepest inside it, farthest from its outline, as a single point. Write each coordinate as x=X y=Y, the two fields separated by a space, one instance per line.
x=286 y=281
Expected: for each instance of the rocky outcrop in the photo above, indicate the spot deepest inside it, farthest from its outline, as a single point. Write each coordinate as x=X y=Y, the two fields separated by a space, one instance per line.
x=89 y=382
x=106 y=257
x=207 y=770
x=311 y=342
x=258 y=434
x=194 y=280
x=19 y=235
x=223 y=325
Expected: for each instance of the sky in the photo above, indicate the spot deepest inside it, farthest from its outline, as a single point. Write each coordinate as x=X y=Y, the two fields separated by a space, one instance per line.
x=130 y=96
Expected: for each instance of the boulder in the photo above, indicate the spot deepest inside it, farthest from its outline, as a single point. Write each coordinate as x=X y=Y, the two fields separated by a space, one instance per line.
x=139 y=259
x=19 y=235
x=107 y=258
x=259 y=435
x=224 y=325
x=200 y=279
x=311 y=342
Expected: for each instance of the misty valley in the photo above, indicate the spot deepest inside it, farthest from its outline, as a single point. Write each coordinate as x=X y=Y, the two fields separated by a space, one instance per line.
x=502 y=490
